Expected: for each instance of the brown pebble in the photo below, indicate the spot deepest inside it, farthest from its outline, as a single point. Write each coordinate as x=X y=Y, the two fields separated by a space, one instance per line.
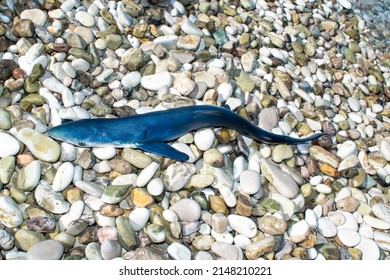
x=348 y=204
x=18 y=73
x=329 y=170
x=110 y=210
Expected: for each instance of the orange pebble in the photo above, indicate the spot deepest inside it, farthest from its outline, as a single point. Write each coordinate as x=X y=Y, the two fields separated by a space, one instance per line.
x=24 y=159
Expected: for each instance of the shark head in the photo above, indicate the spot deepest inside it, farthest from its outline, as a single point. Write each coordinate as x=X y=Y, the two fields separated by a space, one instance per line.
x=75 y=133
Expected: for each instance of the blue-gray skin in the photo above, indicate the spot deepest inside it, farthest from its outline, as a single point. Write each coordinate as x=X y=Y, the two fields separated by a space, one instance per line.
x=151 y=131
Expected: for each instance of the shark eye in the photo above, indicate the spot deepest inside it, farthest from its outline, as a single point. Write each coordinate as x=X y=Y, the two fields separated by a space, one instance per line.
x=81 y=144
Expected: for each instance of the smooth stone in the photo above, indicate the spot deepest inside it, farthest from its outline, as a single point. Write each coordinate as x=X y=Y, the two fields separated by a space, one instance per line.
x=272 y=225
x=177 y=251
x=136 y=158
x=177 y=175
x=203 y=242
x=219 y=222
x=324 y=156
x=7 y=168
x=346 y=149
x=281 y=152
x=204 y=139
x=326 y=227
x=345 y=4
x=74 y=213
x=85 y=19
x=369 y=248
x=282 y=203
x=134 y=59
x=147 y=174
x=242 y=225
x=105 y=153
x=250 y=182
x=348 y=237
x=260 y=247
x=298 y=231
x=50 y=200
x=337 y=218
x=376 y=223
x=5 y=119
x=381 y=211
x=155 y=186
x=42 y=147
x=126 y=234
x=131 y=79
x=25 y=239
x=188 y=210
x=157 y=233
x=9 y=145
x=189 y=28
x=350 y=221
x=141 y=198
x=382 y=239
x=10 y=214
x=29 y=176
x=46 y=250
x=115 y=193
x=93 y=251
x=169 y=42
x=156 y=81
x=283 y=182
x=385 y=149
x=225 y=251
x=76 y=227
x=56 y=86
x=63 y=177
x=214 y=157
x=138 y=218
x=110 y=249
x=90 y=188
x=189 y=42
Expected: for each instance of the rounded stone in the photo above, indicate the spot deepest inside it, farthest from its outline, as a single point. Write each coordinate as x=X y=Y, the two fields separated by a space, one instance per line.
x=272 y=225
x=242 y=225
x=46 y=250
x=110 y=249
x=250 y=182
x=204 y=139
x=214 y=158
x=281 y=152
x=9 y=145
x=348 y=237
x=188 y=210
x=225 y=251
x=178 y=251
x=260 y=247
x=10 y=214
x=138 y=218
x=42 y=147
x=298 y=231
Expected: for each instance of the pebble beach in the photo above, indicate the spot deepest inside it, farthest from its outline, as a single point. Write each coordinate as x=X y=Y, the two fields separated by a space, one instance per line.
x=293 y=67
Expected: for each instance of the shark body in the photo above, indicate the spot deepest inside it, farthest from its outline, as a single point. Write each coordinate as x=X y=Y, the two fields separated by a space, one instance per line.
x=151 y=131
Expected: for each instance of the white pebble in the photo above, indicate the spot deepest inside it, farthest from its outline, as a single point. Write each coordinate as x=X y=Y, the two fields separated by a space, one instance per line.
x=63 y=177
x=204 y=139
x=155 y=187
x=147 y=174
x=9 y=145
x=138 y=218
x=326 y=227
x=250 y=182
x=242 y=225
x=105 y=153
x=178 y=251
x=348 y=237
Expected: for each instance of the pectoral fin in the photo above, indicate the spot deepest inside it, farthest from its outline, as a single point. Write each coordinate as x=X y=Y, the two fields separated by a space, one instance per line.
x=163 y=149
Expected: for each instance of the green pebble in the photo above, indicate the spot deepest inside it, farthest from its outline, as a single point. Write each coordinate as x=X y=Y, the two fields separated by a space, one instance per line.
x=220 y=37
x=270 y=204
x=126 y=234
x=34 y=99
x=114 y=41
x=350 y=55
x=37 y=72
x=80 y=53
x=245 y=82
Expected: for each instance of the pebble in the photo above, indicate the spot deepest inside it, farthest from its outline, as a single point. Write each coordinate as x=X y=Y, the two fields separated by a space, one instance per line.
x=85 y=19
x=115 y=193
x=260 y=247
x=10 y=214
x=110 y=249
x=272 y=225
x=283 y=182
x=188 y=210
x=385 y=149
x=376 y=223
x=178 y=251
x=9 y=147
x=42 y=147
x=50 y=200
x=326 y=227
x=369 y=248
x=250 y=182
x=346 y=149
x=381 y=211
x=298 y=231
x=157 y=81
x=242 y=225
x=147 y=174
x=46 y=250
x=281 y=152
x=348 y=237
x=177 y=175
x=63 y=177
x=138 y=218
x=225 y=251
x=382 y=240
x=204 y=139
